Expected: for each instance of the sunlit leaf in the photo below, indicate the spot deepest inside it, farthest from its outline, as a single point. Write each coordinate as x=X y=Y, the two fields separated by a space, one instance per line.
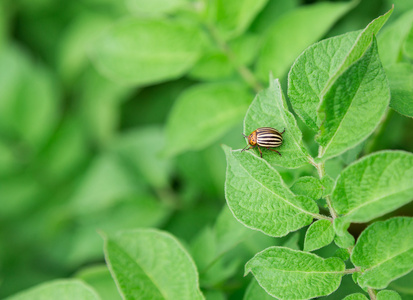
x=59 y=289
x=149 y=263
x=318 y=235
x=293 y=32
x=141 y=52
x=259 y=199
x=292 y=274
x=374 y=185
x=385 y=252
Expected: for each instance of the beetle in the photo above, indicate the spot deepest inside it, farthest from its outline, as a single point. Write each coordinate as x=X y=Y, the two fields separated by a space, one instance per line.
x=266 y=137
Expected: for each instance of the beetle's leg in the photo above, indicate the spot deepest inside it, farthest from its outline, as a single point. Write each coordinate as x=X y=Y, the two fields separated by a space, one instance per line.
x=245 y=149
x=260 y=150
x=274 y=151
x=283 y=131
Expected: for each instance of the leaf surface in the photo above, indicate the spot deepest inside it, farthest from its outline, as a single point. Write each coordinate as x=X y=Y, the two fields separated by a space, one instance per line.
x=388 y=295
x=354 y=105
x=259 y=199
x=318 y=235
x=145 y=8
x=292 y=274
x=373 y=186
x=151 y=264
x=357 y=296
x=401 y=85
x=385 y=252
x=293 y=32
x=391 y=39
x=269 y=110
x=316 y=69
x=232 y=17
x=58 y=289
x=139 y=51
x=308 y=186
x=203 y=113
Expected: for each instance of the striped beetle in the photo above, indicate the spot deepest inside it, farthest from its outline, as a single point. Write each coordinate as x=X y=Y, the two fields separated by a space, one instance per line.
x=266 y=137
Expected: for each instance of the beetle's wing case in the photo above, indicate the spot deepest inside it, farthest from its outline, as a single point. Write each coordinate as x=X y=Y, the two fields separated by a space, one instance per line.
x=269 y=137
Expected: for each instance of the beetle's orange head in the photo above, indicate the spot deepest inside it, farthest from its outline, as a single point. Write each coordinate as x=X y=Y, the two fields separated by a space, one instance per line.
x=252 y=138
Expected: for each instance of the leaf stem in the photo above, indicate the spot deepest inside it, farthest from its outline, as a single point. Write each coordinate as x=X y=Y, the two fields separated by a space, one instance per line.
x=319 y=216
x=351 y=271
x=372 y=293
x=245 y=73
x=321 y=172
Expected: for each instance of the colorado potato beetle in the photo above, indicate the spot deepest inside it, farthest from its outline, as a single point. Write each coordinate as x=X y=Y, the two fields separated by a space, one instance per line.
x=266 y=137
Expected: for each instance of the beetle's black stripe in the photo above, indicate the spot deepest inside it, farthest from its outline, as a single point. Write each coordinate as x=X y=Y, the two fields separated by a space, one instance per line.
x=266 y=144
x=269 y=137
x=269 y=141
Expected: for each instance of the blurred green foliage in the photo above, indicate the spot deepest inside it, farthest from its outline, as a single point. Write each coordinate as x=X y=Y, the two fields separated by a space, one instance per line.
x=96 y=138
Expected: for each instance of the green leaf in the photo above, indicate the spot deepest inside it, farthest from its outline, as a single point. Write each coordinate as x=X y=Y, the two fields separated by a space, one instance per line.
x=385 y=252
x=361 y=45
x=319 y=66
x=373 y=186
x=401 y=85
x=292 y=274
x=154 y=8
x=271 y=12
x=408 y=44
x=356 y=296
x=345 y=240
x=148 y=263
x=77 y=38
x=107 y=181
x=306 y=24
x=123 y=213
x=145 y=160
x=213 y=243
x=308 y=186
x=229 y=232
x=100 y=279
x=311 y=72
x=388 y=295
x=318 y=235
x=343 y=254
x=138 y=51
x=392 y=37
x=203 y=113
x=100 y=100
x=215 y=64
x=232 y=17
x=58 y=289
x=328 y=184
x=269 y=110
x=362 y=90
x=256 y=292
x=259 y=199
x=29 y=101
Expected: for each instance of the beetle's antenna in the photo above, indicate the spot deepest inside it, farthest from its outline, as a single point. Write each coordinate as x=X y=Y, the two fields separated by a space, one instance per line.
x=245 y=148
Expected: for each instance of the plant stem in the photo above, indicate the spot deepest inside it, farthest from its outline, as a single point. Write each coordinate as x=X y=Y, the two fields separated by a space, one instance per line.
x=321 y=172
x=319 y=217
x=372 y=293
x=245 y=73
x=351 y=271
